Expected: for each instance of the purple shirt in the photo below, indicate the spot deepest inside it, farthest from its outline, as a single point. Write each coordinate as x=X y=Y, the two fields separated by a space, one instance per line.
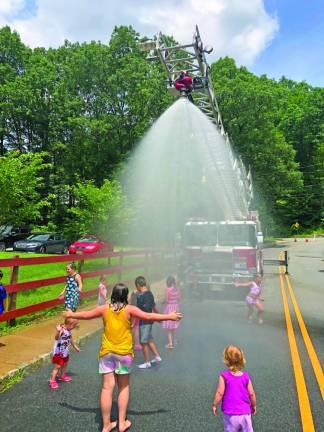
x=236 y=400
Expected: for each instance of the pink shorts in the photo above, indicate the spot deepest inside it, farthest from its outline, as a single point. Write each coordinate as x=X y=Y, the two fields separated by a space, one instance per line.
x=250 y=300
x=237 y=423
x=118 y=364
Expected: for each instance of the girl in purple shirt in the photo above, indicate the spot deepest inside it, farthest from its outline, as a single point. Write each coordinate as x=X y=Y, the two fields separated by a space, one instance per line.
x=253 y=299
x=236 y=392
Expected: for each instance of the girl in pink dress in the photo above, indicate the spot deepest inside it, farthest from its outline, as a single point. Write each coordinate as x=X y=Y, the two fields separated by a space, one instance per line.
x=172 y=299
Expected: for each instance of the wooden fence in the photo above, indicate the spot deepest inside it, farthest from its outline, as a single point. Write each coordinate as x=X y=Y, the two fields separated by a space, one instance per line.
x=150 y=257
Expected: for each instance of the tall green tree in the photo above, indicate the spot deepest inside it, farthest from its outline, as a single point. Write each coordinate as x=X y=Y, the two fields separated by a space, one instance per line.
x=20 y=184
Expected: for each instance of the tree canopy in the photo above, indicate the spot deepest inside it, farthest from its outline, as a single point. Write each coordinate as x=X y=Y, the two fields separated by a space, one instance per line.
x=81 y=108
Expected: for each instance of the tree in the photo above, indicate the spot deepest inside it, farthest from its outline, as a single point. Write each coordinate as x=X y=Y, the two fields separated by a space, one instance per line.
x=20 y=182
x=98 y=210
x=249 y=105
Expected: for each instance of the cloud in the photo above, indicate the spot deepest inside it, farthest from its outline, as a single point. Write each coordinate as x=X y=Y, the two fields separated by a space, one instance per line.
x=9 y=8
x=241 y=29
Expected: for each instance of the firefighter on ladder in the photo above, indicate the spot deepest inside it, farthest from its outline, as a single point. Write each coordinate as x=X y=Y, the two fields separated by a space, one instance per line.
x=184 y=84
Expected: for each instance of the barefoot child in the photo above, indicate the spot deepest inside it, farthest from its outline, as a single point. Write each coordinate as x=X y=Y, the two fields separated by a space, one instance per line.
x=253 y=299
x=116 y=353
x=63 y=340
x=236 y=392
x=172 y=298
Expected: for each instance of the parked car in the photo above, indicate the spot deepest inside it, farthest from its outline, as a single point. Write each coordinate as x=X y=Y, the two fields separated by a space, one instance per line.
x=9 y=234
x=43 y=242
x=90 y=244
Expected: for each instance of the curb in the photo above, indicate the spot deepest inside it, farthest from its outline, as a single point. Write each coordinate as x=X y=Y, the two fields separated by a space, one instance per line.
x=37 y=362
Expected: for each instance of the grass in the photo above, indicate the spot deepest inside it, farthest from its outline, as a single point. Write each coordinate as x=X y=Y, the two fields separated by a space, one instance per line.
x=12 y=380
x=42 y=271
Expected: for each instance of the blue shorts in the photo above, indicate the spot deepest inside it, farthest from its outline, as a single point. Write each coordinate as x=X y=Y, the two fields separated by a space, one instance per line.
x=145 y=333
x=118 y=364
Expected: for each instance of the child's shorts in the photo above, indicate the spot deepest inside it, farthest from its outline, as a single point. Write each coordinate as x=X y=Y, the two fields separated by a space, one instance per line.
x=120 y=365
x=59 y=360
x=237 y=423
x=145 y=333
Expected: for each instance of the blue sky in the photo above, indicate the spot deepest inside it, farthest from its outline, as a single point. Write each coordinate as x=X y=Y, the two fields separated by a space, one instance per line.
x=297 y=50
x=273 y=37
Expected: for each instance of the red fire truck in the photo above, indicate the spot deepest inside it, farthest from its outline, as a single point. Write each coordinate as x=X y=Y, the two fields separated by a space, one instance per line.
x=216 y=254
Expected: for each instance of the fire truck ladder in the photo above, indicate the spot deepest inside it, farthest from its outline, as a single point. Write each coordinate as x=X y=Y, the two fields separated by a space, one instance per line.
x=192 y=58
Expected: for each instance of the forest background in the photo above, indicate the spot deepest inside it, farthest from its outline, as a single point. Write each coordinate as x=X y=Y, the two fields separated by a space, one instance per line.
x=69 y=118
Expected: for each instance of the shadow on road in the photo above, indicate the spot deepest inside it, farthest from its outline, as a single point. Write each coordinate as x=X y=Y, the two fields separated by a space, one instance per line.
x=114 y=411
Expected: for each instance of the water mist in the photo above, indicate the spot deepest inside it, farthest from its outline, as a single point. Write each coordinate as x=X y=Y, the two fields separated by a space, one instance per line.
x=182 y=168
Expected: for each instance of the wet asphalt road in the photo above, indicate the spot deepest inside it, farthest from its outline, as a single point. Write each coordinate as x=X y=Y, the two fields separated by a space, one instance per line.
x=177 y=395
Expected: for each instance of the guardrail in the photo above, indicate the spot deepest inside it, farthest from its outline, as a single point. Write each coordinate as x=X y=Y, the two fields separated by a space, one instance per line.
x=150 y=257
x=279 y=262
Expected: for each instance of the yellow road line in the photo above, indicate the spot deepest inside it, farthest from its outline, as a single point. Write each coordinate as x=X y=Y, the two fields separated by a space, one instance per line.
x=304 y=405
x=307 y=340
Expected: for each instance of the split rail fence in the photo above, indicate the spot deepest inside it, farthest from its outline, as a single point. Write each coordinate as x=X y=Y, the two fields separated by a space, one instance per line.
x=151 y=259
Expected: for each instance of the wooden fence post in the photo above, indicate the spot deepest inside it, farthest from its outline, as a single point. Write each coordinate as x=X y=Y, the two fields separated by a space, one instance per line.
x=80 y=266
x=120 y=273
x=13 y=296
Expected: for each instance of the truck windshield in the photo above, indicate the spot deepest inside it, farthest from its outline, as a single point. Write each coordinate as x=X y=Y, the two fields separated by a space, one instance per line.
x=200 y=235
x=236 y=235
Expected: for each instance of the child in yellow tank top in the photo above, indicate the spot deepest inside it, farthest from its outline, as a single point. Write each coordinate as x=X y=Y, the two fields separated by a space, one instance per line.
x=116 y=352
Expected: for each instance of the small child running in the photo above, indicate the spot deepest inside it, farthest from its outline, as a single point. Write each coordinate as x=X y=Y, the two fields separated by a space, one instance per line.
x=253 y=299
x=61 y=355
x=236 y=392
x=116 y=353
x=172 y=298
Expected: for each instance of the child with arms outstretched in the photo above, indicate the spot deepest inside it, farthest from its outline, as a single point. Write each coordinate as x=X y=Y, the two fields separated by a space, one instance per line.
x=61 y=355
x=236 y=393
x=253 y=299
x=116 y=353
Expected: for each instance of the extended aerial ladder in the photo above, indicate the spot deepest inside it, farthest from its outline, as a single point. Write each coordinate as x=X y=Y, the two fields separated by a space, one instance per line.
x=192 y=58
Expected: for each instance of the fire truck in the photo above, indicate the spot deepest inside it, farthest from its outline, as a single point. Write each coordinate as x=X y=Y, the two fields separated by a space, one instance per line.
x=216 y=254
x=213 y=254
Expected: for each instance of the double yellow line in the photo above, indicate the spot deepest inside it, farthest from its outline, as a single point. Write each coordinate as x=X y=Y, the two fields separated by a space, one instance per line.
x=303 y=399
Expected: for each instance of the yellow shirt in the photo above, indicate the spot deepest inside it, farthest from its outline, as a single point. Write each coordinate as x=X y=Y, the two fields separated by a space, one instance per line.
x=117 y=336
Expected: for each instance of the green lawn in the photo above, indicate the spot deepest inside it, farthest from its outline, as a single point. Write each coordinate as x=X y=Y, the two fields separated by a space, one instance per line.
x=42 y=271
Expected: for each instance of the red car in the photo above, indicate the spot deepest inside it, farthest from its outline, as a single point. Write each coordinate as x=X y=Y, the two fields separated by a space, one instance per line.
x=90 y=244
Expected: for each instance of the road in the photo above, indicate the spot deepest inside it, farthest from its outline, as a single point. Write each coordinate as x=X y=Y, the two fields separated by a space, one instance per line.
x=177 y=395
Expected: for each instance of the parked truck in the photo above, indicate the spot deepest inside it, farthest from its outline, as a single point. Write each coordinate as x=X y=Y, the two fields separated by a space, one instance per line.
x=218 y=254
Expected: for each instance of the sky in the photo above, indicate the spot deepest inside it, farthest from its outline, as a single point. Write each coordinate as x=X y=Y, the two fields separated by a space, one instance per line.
x=273 y=37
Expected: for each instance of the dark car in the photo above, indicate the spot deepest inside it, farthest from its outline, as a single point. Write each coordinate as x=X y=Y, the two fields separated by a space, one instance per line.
x=43 y=243
x=9 y=234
